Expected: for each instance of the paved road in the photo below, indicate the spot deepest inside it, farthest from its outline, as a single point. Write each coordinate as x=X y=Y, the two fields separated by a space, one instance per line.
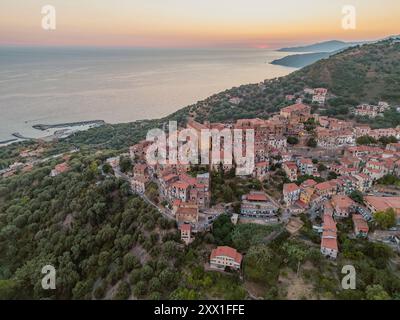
x=313 y=212
x=165 y=212
x=286 y=215
x=39 y=161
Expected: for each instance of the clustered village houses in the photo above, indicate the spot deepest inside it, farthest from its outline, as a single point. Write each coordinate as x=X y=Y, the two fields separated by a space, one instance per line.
x=357 y=167
x=186 y=198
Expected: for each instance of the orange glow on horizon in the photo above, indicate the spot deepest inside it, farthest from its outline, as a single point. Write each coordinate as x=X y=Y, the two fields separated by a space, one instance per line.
x=259 y=24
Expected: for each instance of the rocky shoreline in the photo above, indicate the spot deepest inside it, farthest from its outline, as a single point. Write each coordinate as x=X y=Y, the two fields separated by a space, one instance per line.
x=55 y=131
x=44 y=127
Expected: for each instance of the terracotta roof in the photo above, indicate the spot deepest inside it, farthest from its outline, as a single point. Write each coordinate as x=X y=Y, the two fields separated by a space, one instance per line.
x=290 y=187
x=140 y=179
x=308 y=183
x=188 y=179
x=200 y=185
x=308 y=191
x=329 y=223
x=187 y=211
x=176 y=202
x=329 y=243
x=217 y=125
x=384 y=203
x=62 y=167
x=249 y=122
x=185 y=227
x=295 y=107
x=377 y=171
x=305 y=161
x=362 y=175
x=360 y=222
x=320 y=91
x=323 y=185
x=169 y=177
x=396 y=145
x=301 y=204
x=365 y=149
x=343 y=202
x=227 y=252
x=262 y=164
x=256 y=197
x=27 y=168
x=329 y=234
x=374 y=163
x=196 y=125
x=180 y=185
x=141 y=167
x=290 y=165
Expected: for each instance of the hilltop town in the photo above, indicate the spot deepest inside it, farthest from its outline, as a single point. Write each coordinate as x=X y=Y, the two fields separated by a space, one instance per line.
x=325 y=174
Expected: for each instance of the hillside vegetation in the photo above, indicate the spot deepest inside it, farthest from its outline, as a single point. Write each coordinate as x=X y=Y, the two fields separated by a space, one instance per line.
x=362 y=74
x=301 y=60
x=365 y=73
x=85 y=225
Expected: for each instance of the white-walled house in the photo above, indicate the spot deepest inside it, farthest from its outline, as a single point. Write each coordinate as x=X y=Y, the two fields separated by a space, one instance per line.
x=222 y=257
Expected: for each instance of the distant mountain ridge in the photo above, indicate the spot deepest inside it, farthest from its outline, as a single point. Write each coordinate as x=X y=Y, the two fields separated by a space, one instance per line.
x=322 y=47
x=314 y=53
x=301 y=60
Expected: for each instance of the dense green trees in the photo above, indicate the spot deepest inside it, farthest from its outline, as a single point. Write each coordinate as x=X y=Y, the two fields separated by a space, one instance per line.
x=106 y=243
x=295 y=252
x=365 y=140
x=152 y=192
x=357 y=196
x=222 y=230
x=368 y=140
x=372 y=263
x=246 y=235
x=292 y=140
x=389 y=180
x=305 y=177
x=332 y=175
x=227 y=187
x=125 y=163
x=312 y=143
x=376 y=292
x=86 y=226
x=310 y=125
x=107 y=169
x=261 y=265
x=123 y=291
x=385 y=219
x=387 y=140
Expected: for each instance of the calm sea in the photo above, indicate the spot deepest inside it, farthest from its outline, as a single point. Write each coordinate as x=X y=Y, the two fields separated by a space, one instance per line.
x=56 y=85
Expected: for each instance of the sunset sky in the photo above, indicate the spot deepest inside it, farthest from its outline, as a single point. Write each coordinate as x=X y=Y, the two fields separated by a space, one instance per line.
x=194 y=23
